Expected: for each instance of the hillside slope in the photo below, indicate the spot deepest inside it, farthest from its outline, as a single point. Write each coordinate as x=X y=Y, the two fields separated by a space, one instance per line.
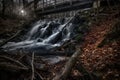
x=103 y=61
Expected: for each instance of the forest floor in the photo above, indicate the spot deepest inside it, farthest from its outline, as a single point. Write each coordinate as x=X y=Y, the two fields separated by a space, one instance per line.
x=8 y=27
x=101 y=61
x=104 y=61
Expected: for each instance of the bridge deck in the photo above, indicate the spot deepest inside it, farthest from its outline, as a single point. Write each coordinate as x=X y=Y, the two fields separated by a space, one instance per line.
x=67 y=5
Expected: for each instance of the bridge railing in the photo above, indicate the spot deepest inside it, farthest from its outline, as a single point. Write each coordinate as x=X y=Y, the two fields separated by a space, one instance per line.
x=47 y=3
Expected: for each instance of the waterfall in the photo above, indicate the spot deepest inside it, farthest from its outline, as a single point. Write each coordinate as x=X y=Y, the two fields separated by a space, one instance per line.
x=46 y=35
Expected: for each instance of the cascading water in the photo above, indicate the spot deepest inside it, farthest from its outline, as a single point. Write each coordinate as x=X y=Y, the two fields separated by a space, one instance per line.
x=46 y=35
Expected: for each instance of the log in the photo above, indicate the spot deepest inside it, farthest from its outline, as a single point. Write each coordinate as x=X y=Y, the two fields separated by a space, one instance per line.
x=54 y=53
x=65 y=44
x=68 y=67
x=11 y=67
x=85 y=73
x=14 y=61
x=32 y=65
x=11 y=38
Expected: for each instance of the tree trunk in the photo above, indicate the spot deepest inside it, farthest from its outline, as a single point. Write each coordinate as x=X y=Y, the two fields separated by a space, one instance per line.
x=25 y=2
x=3 y=8
x=35 y=4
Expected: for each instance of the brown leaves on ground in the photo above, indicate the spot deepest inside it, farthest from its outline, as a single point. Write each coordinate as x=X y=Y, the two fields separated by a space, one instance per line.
x=105 y=60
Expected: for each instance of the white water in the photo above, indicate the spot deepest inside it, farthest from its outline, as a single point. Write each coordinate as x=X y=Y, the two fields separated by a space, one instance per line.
x=46 y=35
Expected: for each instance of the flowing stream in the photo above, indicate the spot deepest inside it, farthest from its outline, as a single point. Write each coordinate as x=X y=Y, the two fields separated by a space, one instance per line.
x=46 y=35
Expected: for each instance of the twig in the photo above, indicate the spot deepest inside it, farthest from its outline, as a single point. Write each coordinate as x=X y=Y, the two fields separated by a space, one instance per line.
x=68 y=67
x=15 y=61
x=82 y=70
x=21 y=55
x=39 y=75
x=32 y=64
x=56 y=53
x=11 y=67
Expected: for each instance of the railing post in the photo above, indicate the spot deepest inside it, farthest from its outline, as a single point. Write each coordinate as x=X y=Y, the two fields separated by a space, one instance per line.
x=71 y=2
x=43 y=5
x=54 y=3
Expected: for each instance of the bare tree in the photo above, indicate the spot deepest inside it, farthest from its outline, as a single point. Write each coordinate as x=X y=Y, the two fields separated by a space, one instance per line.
x=25 y=2
x=3 y=8
x=35 y=4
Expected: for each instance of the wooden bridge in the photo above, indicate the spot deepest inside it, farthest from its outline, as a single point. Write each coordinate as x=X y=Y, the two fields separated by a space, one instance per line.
x=67 y=5
x=46 y=7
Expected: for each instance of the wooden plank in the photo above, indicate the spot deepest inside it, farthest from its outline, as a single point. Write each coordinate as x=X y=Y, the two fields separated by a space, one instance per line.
x=65 y=8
